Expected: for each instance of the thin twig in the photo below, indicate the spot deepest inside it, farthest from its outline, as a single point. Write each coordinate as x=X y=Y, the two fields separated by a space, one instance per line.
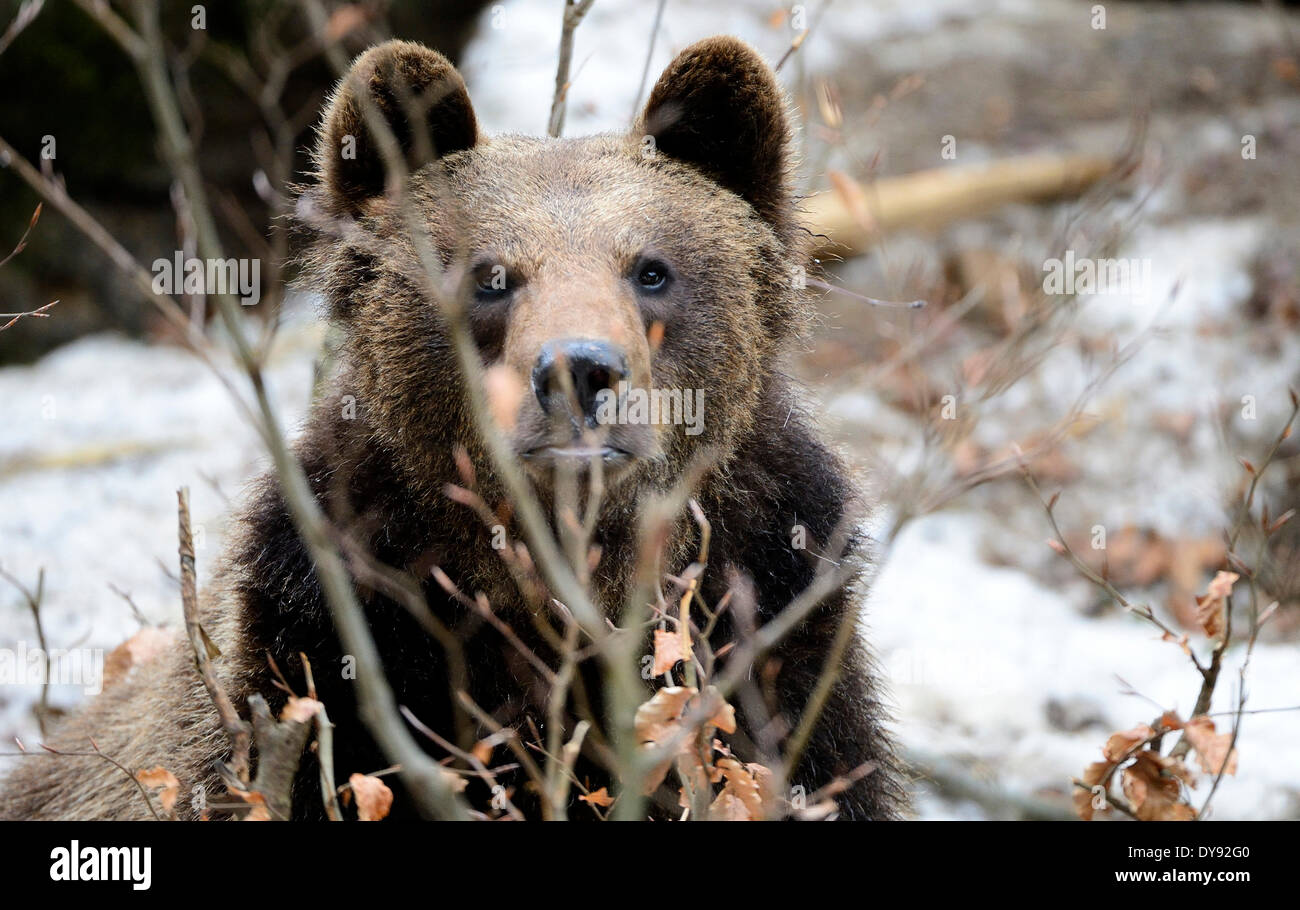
x=237 y=730
x=649 y=57
x=324 y=748
x=573 y=14
x=115 y=763
x=38 y=313
x=1210 y=676
x=799 y=39
x=34 y=600
x=27 y=12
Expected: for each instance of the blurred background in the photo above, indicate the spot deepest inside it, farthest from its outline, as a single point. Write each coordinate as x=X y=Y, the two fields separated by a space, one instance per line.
x=952 y=151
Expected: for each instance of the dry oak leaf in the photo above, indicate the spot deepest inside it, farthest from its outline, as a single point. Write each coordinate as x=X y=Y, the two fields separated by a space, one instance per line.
x=259 y=812
x=1155 y=796
x=1211 y=748
x=599 y=797
x=742 y=796
x=300 y=710
x=1170 y=721
x=1189 y=558
x=725 y=717
x=668 y=650
x=142 y=647
x=1210 y=605
x=482 y=751
x=660 y=717
x=1120 y=744
x=1083 y=799
x=159 y=778
x=1179 y=770
x=660 y=720
x=373 y=797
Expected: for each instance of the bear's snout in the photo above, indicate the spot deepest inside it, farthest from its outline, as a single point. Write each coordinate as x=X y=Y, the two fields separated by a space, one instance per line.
x=574 y=376
x=578 y=384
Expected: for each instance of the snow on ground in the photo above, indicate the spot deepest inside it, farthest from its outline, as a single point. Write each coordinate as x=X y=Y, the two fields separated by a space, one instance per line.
x=979 y=649
x=975 y=654
x=510 y=70
x=976 y=632
x=96 y=439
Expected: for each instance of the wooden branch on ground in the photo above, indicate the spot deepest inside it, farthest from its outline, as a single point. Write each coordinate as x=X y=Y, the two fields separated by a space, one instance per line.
x=954 y=781
x=852 y=217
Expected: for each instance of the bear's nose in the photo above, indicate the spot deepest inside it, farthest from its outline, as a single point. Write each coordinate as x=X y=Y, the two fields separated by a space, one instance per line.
x=592 y=366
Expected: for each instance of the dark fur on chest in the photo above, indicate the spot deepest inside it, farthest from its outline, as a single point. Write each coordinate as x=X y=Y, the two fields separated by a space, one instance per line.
x=785 y=479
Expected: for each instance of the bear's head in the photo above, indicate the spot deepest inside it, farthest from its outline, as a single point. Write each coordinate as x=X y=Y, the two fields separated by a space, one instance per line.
x=628 y=294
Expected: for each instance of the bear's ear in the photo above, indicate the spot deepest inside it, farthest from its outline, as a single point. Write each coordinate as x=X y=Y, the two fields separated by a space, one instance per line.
x=718 y=108
x=421 y=97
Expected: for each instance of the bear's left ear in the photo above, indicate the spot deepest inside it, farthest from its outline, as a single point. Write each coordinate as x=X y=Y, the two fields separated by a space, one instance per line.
x=417 y=93
x=718 y=108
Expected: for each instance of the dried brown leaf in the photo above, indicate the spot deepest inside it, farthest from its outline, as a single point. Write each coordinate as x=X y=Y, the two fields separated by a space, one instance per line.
x=660 y=720
x=1120 y=744
x=1210 y=606
x=159 y=778
x=1155 y=796
x=300 y=710
x=260 y=812
x=1083 y=799
x=373 y=797
x=142 y=647
x=1211 y=747
x=668 y=651
x=599 y=797
x=742 y=796
x=724 y=718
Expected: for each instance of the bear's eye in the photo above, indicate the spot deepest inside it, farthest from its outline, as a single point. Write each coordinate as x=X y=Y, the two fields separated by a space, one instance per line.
x=491 y=280
x=651 y=275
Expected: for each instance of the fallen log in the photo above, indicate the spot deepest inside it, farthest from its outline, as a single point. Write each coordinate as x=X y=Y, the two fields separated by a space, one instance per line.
x=851 y=217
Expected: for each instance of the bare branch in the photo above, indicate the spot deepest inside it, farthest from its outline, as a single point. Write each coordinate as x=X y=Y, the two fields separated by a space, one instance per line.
x=574 y=11
x=237 y=730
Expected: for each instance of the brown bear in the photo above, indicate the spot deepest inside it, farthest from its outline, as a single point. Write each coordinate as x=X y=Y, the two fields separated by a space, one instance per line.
x=664 y=258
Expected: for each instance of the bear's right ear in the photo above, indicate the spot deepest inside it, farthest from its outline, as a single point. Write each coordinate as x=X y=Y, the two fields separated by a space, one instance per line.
x=718 y=108
x=421 y=97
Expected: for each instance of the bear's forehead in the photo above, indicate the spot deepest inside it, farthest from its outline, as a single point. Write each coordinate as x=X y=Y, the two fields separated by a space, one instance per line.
x=595 y=190
x=585 y=163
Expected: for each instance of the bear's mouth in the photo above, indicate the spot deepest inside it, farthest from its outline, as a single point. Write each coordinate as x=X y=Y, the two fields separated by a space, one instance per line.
x=577 y=452
x=616 y=451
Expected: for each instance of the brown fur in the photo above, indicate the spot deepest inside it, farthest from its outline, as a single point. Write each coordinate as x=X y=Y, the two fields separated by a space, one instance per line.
x=570 y=222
